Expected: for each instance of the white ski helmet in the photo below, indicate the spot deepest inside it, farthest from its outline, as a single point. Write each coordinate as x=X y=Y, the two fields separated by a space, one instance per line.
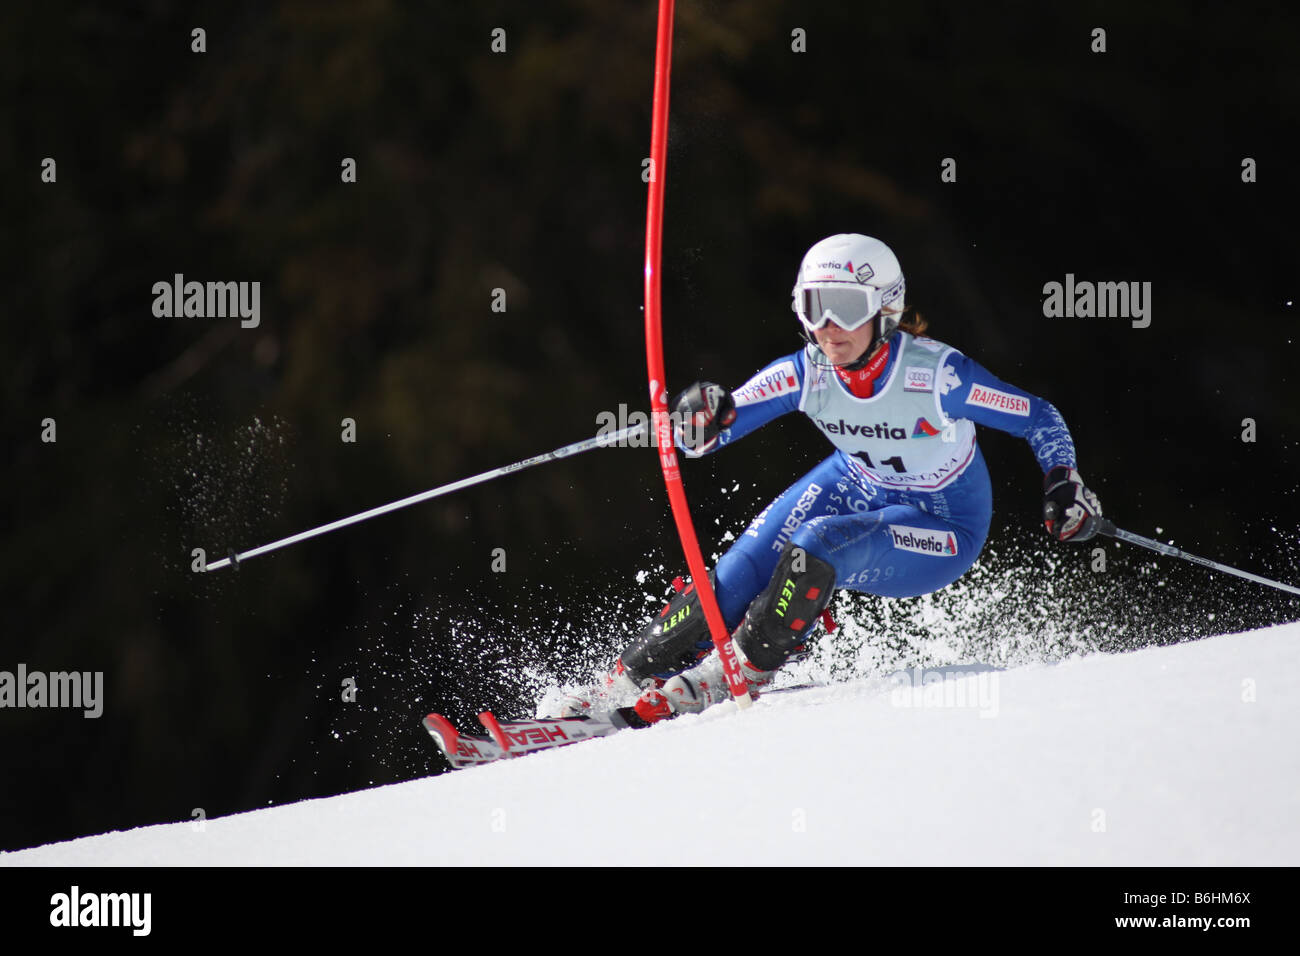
x=850 y=279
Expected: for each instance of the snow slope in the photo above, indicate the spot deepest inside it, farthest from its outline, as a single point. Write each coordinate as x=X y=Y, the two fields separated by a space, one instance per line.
x=1181 y=755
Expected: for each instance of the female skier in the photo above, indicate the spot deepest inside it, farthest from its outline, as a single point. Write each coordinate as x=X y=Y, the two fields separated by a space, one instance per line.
x=900 y=508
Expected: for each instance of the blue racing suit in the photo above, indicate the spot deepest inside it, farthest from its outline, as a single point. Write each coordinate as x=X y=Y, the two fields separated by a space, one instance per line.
x=902 y=506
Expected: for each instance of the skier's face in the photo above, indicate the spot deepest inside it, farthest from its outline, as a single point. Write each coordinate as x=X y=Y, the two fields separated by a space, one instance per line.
x=841 y=347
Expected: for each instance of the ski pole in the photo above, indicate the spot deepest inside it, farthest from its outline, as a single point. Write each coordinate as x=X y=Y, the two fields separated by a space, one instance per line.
x=1108 y=528
x=577 y=448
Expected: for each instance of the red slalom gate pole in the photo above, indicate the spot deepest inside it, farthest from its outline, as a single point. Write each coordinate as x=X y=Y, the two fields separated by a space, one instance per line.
x=654 y=350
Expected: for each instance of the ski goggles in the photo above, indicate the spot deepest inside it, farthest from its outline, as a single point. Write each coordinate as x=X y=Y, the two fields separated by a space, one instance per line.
x=848 y=306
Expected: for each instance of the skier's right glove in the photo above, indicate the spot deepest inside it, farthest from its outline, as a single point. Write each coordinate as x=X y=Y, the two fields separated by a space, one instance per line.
x=1070 y=511
x=700 y=414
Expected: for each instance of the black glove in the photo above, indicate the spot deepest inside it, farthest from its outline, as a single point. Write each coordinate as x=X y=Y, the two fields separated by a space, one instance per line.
x=700 y=413
x=1070 y=511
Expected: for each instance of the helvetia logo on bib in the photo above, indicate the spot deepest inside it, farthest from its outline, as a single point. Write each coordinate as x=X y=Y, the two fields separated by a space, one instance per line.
x=923 y=540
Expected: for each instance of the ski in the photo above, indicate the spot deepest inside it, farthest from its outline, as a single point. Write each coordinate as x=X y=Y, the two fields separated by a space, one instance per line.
x=517 y=737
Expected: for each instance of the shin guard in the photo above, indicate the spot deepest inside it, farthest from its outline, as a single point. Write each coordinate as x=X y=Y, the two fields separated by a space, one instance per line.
x=672 y=642
x=778 y=620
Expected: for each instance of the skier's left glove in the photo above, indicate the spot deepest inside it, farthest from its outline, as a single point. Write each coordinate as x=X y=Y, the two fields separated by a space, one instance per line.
x=1070 y=511
x=701 y=413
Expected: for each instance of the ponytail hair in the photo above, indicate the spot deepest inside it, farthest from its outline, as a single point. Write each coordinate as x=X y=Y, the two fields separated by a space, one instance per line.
x=912 y=322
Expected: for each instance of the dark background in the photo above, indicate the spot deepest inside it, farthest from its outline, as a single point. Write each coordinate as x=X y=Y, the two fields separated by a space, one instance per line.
x=522 y=171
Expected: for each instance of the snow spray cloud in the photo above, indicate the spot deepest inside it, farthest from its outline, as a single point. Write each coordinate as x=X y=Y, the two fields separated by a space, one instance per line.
x=459 y=658
x=1023 y=602
x=196 y=464
x=25 y=688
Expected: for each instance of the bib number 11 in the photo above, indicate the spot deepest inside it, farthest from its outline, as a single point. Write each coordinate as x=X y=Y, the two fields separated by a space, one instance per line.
x=896 y=462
